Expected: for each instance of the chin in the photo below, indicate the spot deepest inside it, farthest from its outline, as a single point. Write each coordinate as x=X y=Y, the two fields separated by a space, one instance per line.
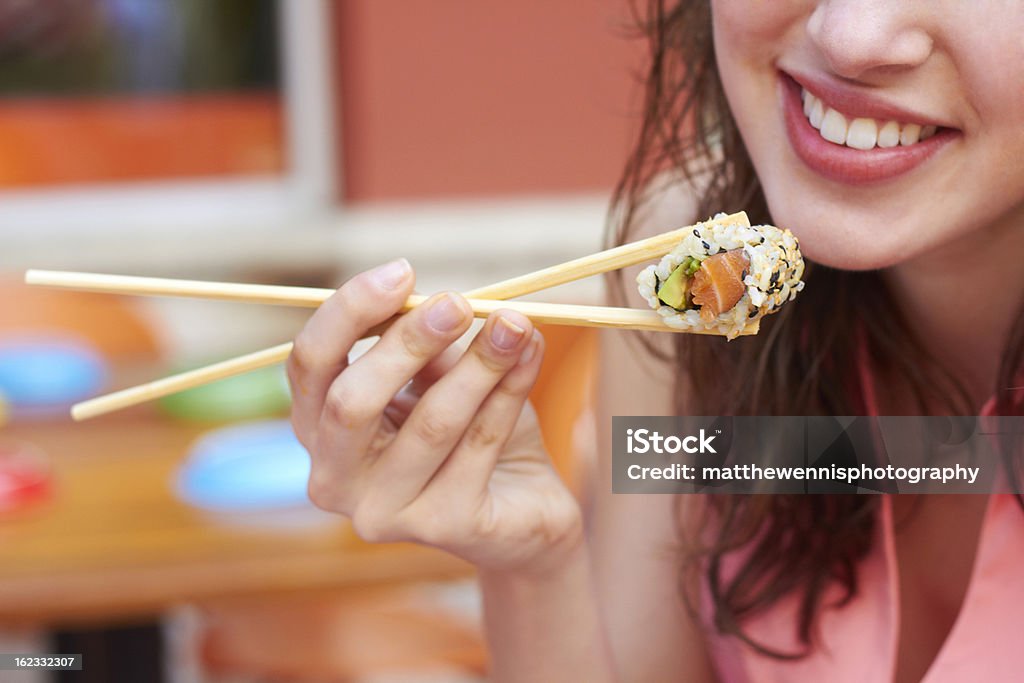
x=841 y=258
x=845 y=237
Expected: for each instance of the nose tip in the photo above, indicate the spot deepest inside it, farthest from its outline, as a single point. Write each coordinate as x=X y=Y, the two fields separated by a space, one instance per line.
x=858 y=40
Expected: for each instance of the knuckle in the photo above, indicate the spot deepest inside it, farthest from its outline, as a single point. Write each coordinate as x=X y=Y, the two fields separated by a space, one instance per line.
x=321 y=491
x=433 y=428
x=300 y=360
x=310 y=356
x=513 y=387
x=518 y=382
x=352 y=294
x=480 y=436
x=415 y=343
x=360 y=301
x=346 y=408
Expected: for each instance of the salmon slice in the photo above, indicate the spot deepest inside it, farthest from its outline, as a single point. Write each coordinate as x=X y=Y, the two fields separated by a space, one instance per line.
x=718 y=284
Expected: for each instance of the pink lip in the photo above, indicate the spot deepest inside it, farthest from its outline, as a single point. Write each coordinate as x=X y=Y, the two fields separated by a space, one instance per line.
x=853 y=166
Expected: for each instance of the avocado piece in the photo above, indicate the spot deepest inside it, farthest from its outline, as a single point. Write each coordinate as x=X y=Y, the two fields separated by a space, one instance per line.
x=676 y=289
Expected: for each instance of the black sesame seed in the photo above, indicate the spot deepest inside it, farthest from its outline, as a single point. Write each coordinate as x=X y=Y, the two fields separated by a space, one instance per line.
x=706 y=245
x=774 y=278
x=696 y=233
x=762 y=240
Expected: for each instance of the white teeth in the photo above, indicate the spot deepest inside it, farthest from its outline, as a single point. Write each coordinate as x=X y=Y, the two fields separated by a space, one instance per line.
x=833 y=127
x=889 y=135
x=817 y=113
x=910 y=134
x=862 y=133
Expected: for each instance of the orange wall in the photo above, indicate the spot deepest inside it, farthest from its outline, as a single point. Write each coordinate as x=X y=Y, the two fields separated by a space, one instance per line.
x=470 y=97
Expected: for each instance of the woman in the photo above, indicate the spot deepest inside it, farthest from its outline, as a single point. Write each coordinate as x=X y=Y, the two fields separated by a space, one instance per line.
x=887 y=137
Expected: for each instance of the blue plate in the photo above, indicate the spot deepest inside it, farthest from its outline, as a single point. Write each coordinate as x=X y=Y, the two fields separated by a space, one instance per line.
x=247 y=467
x=46 y=375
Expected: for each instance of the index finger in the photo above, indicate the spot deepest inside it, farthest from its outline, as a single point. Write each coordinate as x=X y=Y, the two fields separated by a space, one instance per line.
x=321 y=349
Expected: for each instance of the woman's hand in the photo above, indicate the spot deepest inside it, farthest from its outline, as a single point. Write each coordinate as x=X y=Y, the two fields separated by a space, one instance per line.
x=420 y=440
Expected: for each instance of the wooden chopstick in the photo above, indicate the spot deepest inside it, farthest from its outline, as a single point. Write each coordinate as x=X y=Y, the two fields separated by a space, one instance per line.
x=199 y=289
x=552 y=314
x=555 y=314
x=601 y=262
x=125 y=398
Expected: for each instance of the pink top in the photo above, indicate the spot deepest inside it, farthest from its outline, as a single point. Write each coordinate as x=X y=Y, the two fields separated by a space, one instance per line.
x=859 y=641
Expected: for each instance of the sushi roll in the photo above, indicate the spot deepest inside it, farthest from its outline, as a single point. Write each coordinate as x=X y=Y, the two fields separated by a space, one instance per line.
x=722 y=277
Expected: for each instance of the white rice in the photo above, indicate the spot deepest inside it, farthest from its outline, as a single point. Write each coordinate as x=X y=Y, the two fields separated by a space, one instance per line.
x=773 y=278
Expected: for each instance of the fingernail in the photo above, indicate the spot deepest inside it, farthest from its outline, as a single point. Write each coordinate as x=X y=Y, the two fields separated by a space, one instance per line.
x=505 y=334
x=392 y=274
x=530 y=351
x=445 y=314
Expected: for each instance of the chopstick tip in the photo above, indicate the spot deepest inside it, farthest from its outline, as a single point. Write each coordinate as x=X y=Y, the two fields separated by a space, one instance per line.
x=80 y=412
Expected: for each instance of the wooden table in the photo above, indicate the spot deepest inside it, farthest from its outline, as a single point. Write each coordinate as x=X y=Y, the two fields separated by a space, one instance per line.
x=115 y=544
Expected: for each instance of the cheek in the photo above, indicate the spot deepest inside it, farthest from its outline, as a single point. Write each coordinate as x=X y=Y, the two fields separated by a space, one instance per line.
x=749 y=37
x=749 y=24
x=996 y=94
x=740 y=44
x=983 y=39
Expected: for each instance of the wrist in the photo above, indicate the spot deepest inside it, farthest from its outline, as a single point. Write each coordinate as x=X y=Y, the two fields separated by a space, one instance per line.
x=544 y=624
x=565 y=555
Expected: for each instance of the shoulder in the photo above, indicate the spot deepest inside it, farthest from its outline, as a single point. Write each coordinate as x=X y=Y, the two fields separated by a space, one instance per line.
x=633 y=538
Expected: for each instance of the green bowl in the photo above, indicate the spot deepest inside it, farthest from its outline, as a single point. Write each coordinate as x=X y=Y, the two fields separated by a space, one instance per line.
x=258 y=394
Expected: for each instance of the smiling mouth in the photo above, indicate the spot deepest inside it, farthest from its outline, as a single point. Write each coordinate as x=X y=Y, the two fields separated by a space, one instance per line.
x=867 y=142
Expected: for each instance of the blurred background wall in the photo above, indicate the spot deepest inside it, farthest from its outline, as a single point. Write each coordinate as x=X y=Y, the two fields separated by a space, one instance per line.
x=450 y=99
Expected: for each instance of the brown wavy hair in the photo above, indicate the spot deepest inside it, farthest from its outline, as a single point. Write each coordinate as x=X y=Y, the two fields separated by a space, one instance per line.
x=802 y=363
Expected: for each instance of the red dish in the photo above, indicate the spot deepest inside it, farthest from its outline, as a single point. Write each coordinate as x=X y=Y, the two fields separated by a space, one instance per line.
x=25 y=477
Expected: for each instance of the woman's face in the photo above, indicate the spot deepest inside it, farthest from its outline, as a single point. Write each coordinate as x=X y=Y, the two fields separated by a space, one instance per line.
x=886 y=188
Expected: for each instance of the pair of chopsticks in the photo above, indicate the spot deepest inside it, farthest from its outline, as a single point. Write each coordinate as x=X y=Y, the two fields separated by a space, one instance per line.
x=483 y=301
